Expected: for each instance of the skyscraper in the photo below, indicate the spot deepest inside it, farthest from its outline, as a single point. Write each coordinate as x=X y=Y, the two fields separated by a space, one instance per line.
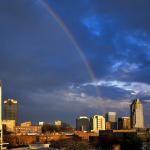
x=1 y=130
x=97 y=123
x=111 y=117
x=11 y=110
x=83 y=123
x=136 y=112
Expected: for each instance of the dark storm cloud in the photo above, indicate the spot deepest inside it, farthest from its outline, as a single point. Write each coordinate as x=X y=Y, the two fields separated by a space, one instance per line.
x=38 y=58
x=35 y=53
x=110 y=30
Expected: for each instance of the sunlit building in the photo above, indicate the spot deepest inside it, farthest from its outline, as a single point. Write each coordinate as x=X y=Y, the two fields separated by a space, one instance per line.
x=124 y=123
x=41 y=123
x=111 y=117
x=82 y=123
x=26 y=124
x=26 y=128
x=9 y=125
x=108 y=125
x=136 y=112
x=97 y=123
x=57 y=123
x=11 y=110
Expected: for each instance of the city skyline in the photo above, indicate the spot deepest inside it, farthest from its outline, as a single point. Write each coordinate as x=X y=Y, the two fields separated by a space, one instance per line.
x=10 y=113
x=59 y=67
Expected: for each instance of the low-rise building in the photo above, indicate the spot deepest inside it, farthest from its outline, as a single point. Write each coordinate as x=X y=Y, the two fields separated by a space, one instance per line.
x=108 y=126
x=26 y=124
x=41 y=123
x=9 y=125
x=28 y=130
x=57 y=123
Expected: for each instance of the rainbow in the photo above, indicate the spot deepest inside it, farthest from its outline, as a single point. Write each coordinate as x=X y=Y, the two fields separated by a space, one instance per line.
x=71 y=37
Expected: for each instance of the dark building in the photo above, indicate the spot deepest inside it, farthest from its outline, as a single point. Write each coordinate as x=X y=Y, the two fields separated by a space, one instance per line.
x=124 y=123
x=83 y=123
x=11 y=110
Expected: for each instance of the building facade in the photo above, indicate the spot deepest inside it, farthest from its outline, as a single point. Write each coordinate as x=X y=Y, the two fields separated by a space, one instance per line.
x=27 y=128
x=136 y=114
x=1 y=126
x=82 y=123
x=9 y=125
x=108 y=125
x=124 y=123
x=111 y=117
x=11 y=110
x=97 y=123
x=57 y=123
x=26 y=124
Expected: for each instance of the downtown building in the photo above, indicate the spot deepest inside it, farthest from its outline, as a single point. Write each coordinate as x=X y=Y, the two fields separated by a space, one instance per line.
x=82 y=123
x=124 y=123
x=97 y=123
x=26 y=128
x=136 y=114
x=11 y=110
x=111 y=120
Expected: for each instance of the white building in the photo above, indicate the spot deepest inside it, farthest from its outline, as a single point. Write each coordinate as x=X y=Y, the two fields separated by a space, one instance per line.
x=41 y=123
x=57 y=123
x=97 y=123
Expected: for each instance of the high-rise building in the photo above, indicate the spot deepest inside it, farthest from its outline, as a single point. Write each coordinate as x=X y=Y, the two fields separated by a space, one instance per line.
x=82 y=123
x=136 y=112
x=1 y=129
x=11 y=110
x=97 y=123
x=124 y=123
x=111 y=117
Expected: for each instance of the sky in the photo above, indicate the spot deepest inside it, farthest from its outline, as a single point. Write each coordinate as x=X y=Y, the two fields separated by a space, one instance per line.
x=65 y=58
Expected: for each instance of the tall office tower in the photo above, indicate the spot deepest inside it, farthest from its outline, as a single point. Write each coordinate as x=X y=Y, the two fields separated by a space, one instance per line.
x=11 y=110
x=82 y=123
x=111 y=117
x=97 y=123
x=136 y=112
x=1 y=130
x=124 y=123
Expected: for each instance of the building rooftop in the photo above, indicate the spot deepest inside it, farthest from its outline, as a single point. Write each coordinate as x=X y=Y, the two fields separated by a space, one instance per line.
x=82 y=117
x=10 y=100
x=137 y=101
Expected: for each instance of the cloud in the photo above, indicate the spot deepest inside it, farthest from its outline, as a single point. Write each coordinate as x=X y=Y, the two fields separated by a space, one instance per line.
x=67 y=98
x=134 y=87
x=147 y=101
x=125 y=67
x=94 y=25
x=38 y=61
